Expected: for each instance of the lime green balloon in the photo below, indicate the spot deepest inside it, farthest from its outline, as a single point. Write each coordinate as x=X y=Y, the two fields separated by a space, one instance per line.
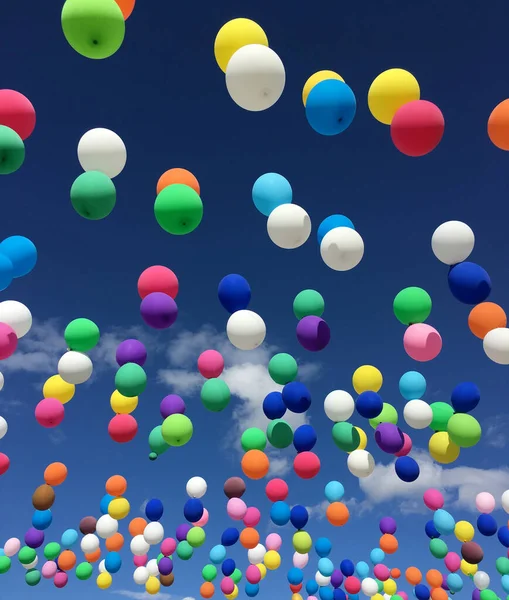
x=84 y=571
x=307 y=303
x=196 y=537
x=177 y=430
x=159 y=557
x=412 y=305
x=396 y=597
x=442 y=412
x=94 y=28
x=488 y=595
x=438 y=548
x=279 y=433
x=184 y=550
x=51 y=550
x=236 y=576
x=26 y=555
x=32 y=577
x=209 y=572
x=131 y=380
x=464 y=430
x=178 y=209
x=253 y=439
x=81 y=335
x=156 y=441
x=5 y=564
x=502 y=565
x=346 y=436
x=388 y=415
x=283 y=368
x=93 y=194
x=215 y=394
x=12 y=151
x=302 y=542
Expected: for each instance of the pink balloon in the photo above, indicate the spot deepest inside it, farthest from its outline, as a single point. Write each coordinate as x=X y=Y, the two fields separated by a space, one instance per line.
x=236 y=509
x=49 y=412
x=11 y=547
x=381 y=572
x=8 y=341
x=433 y=499
x=353 y=585
x=49 y=569
x=273 y=541
x=452 y=561
x=485 y=503
x=312 y=598
x=227 y=585
x=422 y=342
x=407 y=446
x=404 y=595
x=210 y=364
x=203 y=521
x=17 y=112
x=252 y=517
x=168 y=546
x=140 y=561
x=5 y=463
x=60 y=580
x=300 y=560
x=253 y=574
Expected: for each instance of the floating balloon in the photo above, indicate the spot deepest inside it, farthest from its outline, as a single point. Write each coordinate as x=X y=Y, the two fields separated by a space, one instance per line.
x=313 y=333
x=412 y=305
x=453 y=242
x=469 y=283
x=246 y=330
x=412 y=385
x=49 y=412
x=122 y=428
x=8 y=341
x=289 y=226
x=418 y=414
x=391 y=90
x=485 y=317
x=159 y=310
x=215 y=395
x=315 y=79
x=234 y=293
x=498 y=125
x=234 y=35
x=178 y=209
x=496 y=345
x=102 y=150
x=270 y=191
x=130 y=380
x=12 y=151
x=464 y=430
x=93 y=194
x=210 y=364
x=330 y=107
x=417 y=128
x=360 y=463
x=422 y=342
x=342 y=249
x=442 y=448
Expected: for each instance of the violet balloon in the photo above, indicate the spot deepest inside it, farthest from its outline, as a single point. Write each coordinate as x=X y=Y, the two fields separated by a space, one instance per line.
x=313 y=333
x=131 y=351
x=172 y=405
x=389 y=438
x=159 y=310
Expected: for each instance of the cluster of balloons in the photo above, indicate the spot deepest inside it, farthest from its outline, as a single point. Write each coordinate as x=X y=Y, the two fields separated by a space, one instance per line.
x=417 y=126
x=17 y=122
x=255 y=75
x=18 y=256
x=313 y=333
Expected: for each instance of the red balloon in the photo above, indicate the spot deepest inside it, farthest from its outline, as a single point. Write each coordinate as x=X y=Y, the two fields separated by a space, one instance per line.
x=417 y=128
x=158 y=279
x=295 y=589
x=306 y=465
x=4 y=463
x=17 y=112
x=352 y=585
x=276 y=489
x=123 y=428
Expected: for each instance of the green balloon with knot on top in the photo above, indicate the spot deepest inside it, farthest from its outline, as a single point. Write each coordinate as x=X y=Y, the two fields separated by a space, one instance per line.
x=388 y=415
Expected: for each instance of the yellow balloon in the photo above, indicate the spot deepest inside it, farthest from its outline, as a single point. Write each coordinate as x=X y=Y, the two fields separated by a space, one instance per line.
x=153 y=585
x=464 y=531
x=367 y=379
x=364 y=439
x=56 y=387
x=233 y=595
x=315 y=80
x=263 y=570
x=442 y=448
x=234 y=35
x=467 y=568
x=390 y=587
x=122 y=405
x=377 y=596
x=104 y=580
x=272 y=560
x=390 y=91
x=297 y=597
x=119 y=508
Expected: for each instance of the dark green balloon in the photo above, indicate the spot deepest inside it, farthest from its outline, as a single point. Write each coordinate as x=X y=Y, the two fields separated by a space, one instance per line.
x=5 y=564
x=209 y=572
x=26 y=555
x=12 y=151
x=253 y=439
x=502 y=565
x=184 y=550
x=412 y=305
x=279 y=433
x=81 y=335
x=464 y=430
x=215 y=394
x=178 y=209
x=156 y=442
x=51 y=550
x=438 y=548
x=84 y=571
x=32 y=577
x=283 y=368
x=131 y=380
x=93 y=195
x=345 y=436
x=442 y=412
x=308 y=303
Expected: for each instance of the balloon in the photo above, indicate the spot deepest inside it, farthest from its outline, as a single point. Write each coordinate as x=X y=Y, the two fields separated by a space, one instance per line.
x=481 y=580
x=486 y=525
x=8 y=341
x=196 y=487
x=235 y=508
x=444 y=522
x=159 y=310
x=296 y=397
x=12 y=151
x=255 y=464
x=130 y=380
x=389 y=438
x=276 y=489
x=438 y=548
x=299 y=516
x=56 y=387
x=360 y=463
x=234 y=35
x=93 y=194
x=407 y=446
x=234 y=293
x=306 y=465
x=313 y=333
x=330 y=223
x=17 y=113
x=3 y=427
x=307 y=303
x=55 y=474
x=315 y=79
x=171 y=405
x=234 y=487
x=345 y=436
x=391 y=90
x=252 y=517
x=122 y=404
x=302 y=542
x=502 y=565
x=273 y=405
x=442 y=412
x=210 y=364
x=388 y=415
x=369 y=405
x=498 y=125
x=230 y=536
x=17 y=316
x=127 y=7
x=407 y=469
x=412 y=305
x=41 y=519
x=22 y=254
x=496 y=345
x=102 y=150
x=246 y=330
x=177 y=175
x=122 y=428
x=81 y=335
x=412 y=385
x=283 y=368
x=367 y=378
x=157 y=279
x=422 y=342
x=215 y=394
x=304 y=438
x=418 y=414
x=465 y=397
x=464 y=531
x=485 y=503
x=270 y=191
x=153 y=533
x=178 y=209
x=177 y=430
x=279 y=434
x=443 y=449
x=469 y=283
x=49 y=412
x=464 y=430
x=119 y=508
x=289 y=226
x=331 y=107
x=472 y=553
x=6 y=272
x=417 y=128
x=339 y=406
x=342 y=249
x=485 y=317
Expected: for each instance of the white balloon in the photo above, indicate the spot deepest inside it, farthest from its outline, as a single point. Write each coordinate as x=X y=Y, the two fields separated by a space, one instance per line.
x=255 y=555
x=505 y=501
x=452 y=242
x=106 y=526
x=102 y=150
x=12 y=547
x=141 y=575
x=339 y=406
x=31 y=565
x=153 y=533
x=75 y=367
x=89 y=543
x=418 y=414
x=152 y=568
x=321 y=580
x=300 y=560
x=481 y=580
x=2 y=381
x=16 y=315
x=3 y=427
x=196 y=487
x=139 y=546
x=342 y=249
x=102 y=566
x=289 y=226
x=496 y=345
x=360 y=463
x=255 y=77
x=246 y=330
x=369 y=587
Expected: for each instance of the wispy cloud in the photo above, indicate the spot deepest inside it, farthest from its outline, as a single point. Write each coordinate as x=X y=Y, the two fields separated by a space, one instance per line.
x=143 y=506
x=141 y=595
x=496 y=431
x=57 y=437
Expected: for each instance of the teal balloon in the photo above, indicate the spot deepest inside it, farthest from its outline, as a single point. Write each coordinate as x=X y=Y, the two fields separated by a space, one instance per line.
x=12 y=151
x=156 y=441
x=270 y=191
x=412 y=385
x=444 y=522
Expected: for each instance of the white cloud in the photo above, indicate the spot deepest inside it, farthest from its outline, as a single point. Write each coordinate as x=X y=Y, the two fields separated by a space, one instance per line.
x=57 y=437
x=279 y=466
x=141 y=595
x=143 y=506
x=188 y=598
x=496 y=431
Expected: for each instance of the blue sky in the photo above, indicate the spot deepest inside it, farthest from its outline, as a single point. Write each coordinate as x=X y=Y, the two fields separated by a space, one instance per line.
x=165 y=96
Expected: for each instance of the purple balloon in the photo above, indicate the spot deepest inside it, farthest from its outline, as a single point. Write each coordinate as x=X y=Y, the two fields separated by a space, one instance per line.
x=34 y=538
x=159 y=310
x=131 y=351
x=476 y=594
x=182 y=531
x=313 y=333
x=172 y=405
x=336 y=578
x=165 y=566
x=389 y=438
x=388 y=525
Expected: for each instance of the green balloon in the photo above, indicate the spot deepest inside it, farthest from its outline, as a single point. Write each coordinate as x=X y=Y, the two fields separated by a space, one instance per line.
x=236 y=575
x=84 y=571
x=345 y=436
x=502 y=565
x=215 y=394
x=177 y=430
x=131 y=380
x=12 y=151
x=94 y=28
x=196 y=537
x=93 y=194
x=32 y=577
x=488 y=595
x=5 y=564
x=184 y=550
x=253 y=439
x=412 y=305
x=283 y=368
x=178 y=209
x=438 y=548
x=26 y=555
x=159 y=556
x=388 y=415
x=152 y=456
x=442 y=412
x=464 y=430
x=307 y=303
x=380 y=586
x=209 y=572
x=396 y=597
x=51 y=550
x=156 y=441
x=279 y=433
x=81 y=335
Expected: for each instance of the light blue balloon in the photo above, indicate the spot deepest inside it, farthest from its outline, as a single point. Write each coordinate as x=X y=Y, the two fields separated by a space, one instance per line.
x=113 y=562
x=454 y=582
x=412 y=385
x=21 y=252
x=311 y=587
x=2 y=553
x=505 y=583
x=326 y=593
x=270 y=191
x=217 y=554
x=323 y=547
x=326 y=566
x=330 y=107
x=362 y=569
x=444 y=522
x=331 y=223
x=105 y=502
x=69 y=538
x=252 y=589
x=334 y=491
x=6 y=272
x=377 y=556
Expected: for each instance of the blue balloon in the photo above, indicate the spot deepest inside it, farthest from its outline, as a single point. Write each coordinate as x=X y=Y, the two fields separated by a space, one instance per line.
x=105 y=502
x=323 y=547
x=21 y=252
x=252 y=589
x=299 y=516
x=325 y=566
x=431 y=531
x=193 y=510
x=69 y=538
x=339 y=594
x=421 y=592
x=113 y=562
x=486 y=525
x=362 y=569
x=326 y=593
x=311 y=587
x=465 y=397
x=334 y=491
x=2 y=553
x=234 y=293
x=296 y=397
x=469 y=283
x=353 y=596
x=228 y=567
x=230 y=536
x=377 y=556
x=217 y=554
x=454 y=582
x=444 y=522
x=505 y=583
x=273 y=406
x=270 y=191
x=369 y=405
x=330 y=107
x=304 y=438
x=412 y=385
x=295 y=576
x=347 y=567
x=6 y=272
x=154 y=509
x=407 y=469
x=330 y=223
x=41 y=519
x=503 y=536
x=280 y=513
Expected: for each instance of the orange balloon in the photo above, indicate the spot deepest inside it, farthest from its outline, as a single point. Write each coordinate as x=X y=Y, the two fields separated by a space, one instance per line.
x=498 y=126
x=116 y=485
x=115 y=542
x=434 y=578
x=388 y=543
x=249 y=538
x=439 y=594
x=255 y=464
x=178 y=176
x=337 y=514
x=413 y=576
x=66 y=560
x=395 y=573
x=137 y=526
x=93 y=557
x=484 y=317
x=55 y=473
x=207 y=590
x=127 y=7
